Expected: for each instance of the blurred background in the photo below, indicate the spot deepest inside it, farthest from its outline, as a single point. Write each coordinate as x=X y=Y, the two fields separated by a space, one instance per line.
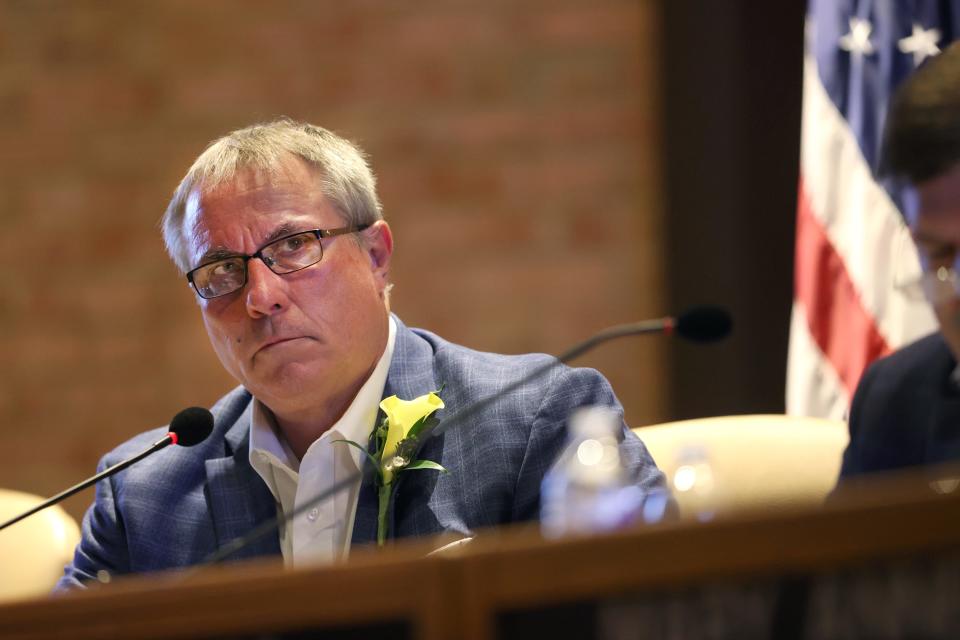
x=548 y=168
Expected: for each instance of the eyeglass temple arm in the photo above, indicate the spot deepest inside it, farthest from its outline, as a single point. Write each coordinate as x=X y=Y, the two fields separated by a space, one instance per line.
x=329 y=233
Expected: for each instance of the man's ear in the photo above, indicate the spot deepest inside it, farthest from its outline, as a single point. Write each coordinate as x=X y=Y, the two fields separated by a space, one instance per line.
x=378 y=242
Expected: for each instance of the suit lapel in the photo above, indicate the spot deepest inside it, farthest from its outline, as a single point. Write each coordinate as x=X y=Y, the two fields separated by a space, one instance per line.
x=411 y=369
x=237 y=497
x=410 y=376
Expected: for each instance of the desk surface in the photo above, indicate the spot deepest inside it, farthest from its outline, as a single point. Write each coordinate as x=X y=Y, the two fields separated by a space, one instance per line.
x=402 y=592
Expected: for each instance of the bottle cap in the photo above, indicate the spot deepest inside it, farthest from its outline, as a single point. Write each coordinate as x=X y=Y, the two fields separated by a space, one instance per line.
x=594 y=422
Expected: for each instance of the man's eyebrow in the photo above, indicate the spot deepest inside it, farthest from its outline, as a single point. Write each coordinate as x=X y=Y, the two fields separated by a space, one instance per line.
x=935 y=248
x=283 y=230
x=222 y=253
x=217 y=253
x=920 y=237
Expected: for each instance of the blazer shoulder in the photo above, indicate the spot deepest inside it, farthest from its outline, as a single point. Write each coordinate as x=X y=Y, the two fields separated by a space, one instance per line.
x=484 y=366
x=471 y=375
x=928 y=358
x=894 y=404
x=227 y=417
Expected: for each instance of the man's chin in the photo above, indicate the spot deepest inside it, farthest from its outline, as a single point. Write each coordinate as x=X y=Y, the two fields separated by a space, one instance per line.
x=284 y=381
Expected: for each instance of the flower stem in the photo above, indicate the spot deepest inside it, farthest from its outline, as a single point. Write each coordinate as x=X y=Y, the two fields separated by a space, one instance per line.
x=384 y=505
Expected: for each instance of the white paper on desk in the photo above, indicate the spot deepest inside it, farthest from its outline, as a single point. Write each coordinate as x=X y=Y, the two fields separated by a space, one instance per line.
x=450 y=547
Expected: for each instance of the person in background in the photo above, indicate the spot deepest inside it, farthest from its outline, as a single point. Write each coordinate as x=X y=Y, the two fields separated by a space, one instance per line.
x=906 y=409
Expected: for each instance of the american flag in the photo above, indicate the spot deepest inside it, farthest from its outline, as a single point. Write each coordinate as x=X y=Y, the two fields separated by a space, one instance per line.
x=852 y=246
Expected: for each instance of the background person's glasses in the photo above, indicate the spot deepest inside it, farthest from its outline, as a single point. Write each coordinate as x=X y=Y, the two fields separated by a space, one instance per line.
x=937 y=284
x=284 y=255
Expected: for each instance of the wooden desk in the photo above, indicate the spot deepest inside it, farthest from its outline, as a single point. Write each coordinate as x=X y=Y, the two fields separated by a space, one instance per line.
x=750 y=573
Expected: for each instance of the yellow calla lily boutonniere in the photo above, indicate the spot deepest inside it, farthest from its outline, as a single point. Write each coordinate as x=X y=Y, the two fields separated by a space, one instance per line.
x=402 y=416
x=395 y=442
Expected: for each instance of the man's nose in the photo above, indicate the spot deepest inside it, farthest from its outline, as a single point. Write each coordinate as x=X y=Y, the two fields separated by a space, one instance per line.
x=265 y=290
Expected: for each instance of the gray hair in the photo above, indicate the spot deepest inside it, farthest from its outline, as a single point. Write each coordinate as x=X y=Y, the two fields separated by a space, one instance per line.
x=345 y=177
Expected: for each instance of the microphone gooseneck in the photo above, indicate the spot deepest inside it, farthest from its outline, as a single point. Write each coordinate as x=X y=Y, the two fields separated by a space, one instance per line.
x=187 y=428
x=700 y=324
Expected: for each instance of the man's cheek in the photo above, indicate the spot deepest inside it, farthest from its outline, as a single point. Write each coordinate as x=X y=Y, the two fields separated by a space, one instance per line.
x=948 y=315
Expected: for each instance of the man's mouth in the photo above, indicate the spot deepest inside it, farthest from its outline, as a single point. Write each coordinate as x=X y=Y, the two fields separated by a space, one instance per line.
x=274 y=343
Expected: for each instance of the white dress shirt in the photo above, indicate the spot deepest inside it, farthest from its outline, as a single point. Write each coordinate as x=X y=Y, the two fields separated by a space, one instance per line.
x=323 y=533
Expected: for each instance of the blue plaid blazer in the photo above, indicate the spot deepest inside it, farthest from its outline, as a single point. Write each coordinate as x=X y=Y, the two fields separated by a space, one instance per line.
x=173 y=509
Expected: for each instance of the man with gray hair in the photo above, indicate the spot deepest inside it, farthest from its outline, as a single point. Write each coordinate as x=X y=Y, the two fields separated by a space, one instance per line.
x=278 y=229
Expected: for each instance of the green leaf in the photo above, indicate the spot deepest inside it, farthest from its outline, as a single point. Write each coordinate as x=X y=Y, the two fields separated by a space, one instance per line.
x=426 y=422
x=376 y=465
x=406 y=448
x=417 y=426
x=380 y=436
x=424 y=464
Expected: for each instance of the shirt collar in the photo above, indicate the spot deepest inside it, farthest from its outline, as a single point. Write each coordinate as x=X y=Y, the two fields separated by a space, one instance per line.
x=356 y=423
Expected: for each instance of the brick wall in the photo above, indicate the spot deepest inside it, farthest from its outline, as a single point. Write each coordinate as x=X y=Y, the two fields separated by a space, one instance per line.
x=515 y=144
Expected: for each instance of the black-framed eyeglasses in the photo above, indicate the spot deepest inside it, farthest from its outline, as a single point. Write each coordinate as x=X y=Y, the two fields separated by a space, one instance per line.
x=282 y=256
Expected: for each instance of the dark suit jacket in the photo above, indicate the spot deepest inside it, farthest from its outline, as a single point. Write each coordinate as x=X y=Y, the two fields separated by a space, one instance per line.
x=174 y=508
x=906 y=411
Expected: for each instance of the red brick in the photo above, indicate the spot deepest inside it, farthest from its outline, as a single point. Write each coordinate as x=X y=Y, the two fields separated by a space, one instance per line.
x=516 y=145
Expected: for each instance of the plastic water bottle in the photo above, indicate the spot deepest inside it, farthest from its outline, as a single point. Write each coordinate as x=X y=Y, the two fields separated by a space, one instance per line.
x=694 y=483
x=587 y=490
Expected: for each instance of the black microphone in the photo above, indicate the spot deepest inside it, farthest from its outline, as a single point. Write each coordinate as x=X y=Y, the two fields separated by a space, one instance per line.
x=704 y=324
x=189 y=427
x=699 y=324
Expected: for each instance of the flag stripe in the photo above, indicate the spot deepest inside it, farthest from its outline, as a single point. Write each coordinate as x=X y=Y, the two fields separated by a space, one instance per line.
x=815 y=386
x=837 y=320
x=858 y=216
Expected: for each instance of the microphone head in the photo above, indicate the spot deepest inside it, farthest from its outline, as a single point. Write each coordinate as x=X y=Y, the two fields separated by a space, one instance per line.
x=704 y=324
x=191 y=426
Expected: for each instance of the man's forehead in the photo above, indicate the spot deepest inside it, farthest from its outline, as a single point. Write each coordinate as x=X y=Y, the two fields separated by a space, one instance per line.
x=259 y=189
x=265 y=198
x=937 y=198
x=254 y=192
x=264 y=209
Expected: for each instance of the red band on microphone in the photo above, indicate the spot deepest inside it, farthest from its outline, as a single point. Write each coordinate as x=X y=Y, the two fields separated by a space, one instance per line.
x=669 y=325
x=173 y=437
